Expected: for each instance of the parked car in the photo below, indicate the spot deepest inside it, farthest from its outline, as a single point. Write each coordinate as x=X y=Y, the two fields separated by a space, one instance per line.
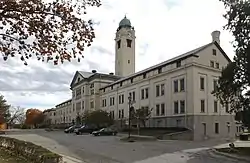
x=85 y=129
x=71 y=129
x=105 y=131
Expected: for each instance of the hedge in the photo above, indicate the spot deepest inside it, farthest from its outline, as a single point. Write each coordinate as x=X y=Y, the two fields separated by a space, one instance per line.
x=33 y=153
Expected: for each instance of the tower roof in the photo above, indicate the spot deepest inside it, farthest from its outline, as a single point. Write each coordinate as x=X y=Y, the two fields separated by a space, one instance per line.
x=125 y=22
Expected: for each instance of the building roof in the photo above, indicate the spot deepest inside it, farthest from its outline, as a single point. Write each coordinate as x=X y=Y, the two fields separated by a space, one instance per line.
x=125 y=22
x=170 y=61
x=64 y=102
x=92 y=75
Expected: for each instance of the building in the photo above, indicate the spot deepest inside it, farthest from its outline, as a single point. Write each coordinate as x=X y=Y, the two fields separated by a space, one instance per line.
x=50 y=116
x=85 y=88
x=64 y=113
x=177 y=90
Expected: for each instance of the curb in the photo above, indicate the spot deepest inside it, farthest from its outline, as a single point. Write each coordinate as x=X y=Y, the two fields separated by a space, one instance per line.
x=238 y=158
x=68 y=159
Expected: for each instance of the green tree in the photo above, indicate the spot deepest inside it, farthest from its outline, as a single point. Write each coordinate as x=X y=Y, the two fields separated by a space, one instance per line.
x=4 y=110
x=141 y=115
x=51 y=30
x=233 y=85
x=99 y=118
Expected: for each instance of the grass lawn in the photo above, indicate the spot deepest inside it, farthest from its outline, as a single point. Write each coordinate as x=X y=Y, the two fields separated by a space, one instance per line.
x=242 y=151
x=5 y=157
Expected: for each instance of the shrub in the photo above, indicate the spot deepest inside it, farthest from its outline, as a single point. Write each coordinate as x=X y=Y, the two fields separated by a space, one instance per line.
x=33 y=153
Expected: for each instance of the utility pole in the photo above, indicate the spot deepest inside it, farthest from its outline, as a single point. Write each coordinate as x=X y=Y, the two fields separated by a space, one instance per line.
x=130 y=108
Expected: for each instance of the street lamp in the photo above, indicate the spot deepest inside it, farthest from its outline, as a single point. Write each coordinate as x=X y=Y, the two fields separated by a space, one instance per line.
x=130 y=108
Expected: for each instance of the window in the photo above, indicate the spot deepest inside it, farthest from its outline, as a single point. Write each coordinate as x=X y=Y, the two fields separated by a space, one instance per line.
x=120 y=99
x=157 y=109
x=182 y=85
x=92 y=91
x=128 y=61
x=92 y=104
x=214 y=52
x=146 y=93
x=157 y=90
x=131 y=80
x=119 y=44
x=92 y=85
x=202 y=83
x=216 y=128
x=111 y=87
x=82 y=104
x=211 y=63
x=162 y=89
x=122 y=116
x=162 y=109
x=215 y=85
x=159 y=70
x=83 y=90
x=178 y=64
x=176 y=86
x=202 y=106
x=144 y=76
x=133 y=96
x=142 y=94
x=182 y=106
x=217 y=65
x=104 y=104
x=176 y=107
x=120 y=84
x=129 y=43
x=119 y=115
x=112 y=101
x=215 y=106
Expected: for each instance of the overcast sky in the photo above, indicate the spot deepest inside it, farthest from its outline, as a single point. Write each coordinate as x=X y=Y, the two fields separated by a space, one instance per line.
x=164 y=29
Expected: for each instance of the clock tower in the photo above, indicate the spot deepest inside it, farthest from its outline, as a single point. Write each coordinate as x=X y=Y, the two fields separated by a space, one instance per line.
x=125 y=48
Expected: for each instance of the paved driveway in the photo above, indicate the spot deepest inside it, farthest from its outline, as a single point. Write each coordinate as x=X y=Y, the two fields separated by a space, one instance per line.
x=108 y=149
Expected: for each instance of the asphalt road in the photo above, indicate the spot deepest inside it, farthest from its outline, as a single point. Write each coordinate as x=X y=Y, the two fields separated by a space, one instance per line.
x=109 y=149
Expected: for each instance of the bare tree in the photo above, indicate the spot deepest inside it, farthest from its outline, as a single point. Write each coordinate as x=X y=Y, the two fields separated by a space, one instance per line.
x=17 y=115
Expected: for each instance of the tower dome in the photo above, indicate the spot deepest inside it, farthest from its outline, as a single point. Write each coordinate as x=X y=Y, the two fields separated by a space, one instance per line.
x=125 y=22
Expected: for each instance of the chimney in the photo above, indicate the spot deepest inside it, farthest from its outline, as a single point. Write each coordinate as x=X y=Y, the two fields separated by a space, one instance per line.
x=216 y=36
x=93 y=71
x=111 y=73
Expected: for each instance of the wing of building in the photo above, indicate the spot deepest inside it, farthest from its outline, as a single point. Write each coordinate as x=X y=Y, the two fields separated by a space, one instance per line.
x=177 y=90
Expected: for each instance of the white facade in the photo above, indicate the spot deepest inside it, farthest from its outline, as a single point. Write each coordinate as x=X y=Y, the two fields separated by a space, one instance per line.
x=64 y=113
x=50 y=116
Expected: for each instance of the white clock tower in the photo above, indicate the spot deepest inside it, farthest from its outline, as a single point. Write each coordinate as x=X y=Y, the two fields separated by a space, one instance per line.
x=125 y=49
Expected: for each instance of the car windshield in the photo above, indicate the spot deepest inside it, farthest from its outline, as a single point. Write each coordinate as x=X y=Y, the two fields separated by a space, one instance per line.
x=103 y=129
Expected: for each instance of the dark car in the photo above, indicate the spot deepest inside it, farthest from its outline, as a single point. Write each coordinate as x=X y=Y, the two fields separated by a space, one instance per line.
x=85 y=129
x=105 y=132
x=71 y=129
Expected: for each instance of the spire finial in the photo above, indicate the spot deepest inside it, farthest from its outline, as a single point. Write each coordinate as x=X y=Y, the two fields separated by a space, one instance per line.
x=125 y=15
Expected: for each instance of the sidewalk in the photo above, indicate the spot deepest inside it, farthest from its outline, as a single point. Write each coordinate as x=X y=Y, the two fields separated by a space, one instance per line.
x=51 y=145
x=237 y=143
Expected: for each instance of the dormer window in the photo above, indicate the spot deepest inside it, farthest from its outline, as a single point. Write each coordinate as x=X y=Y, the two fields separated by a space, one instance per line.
x=178 y=64
x=159 y=70
x=119 y=44
x=78 y=80
x=129 y=43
